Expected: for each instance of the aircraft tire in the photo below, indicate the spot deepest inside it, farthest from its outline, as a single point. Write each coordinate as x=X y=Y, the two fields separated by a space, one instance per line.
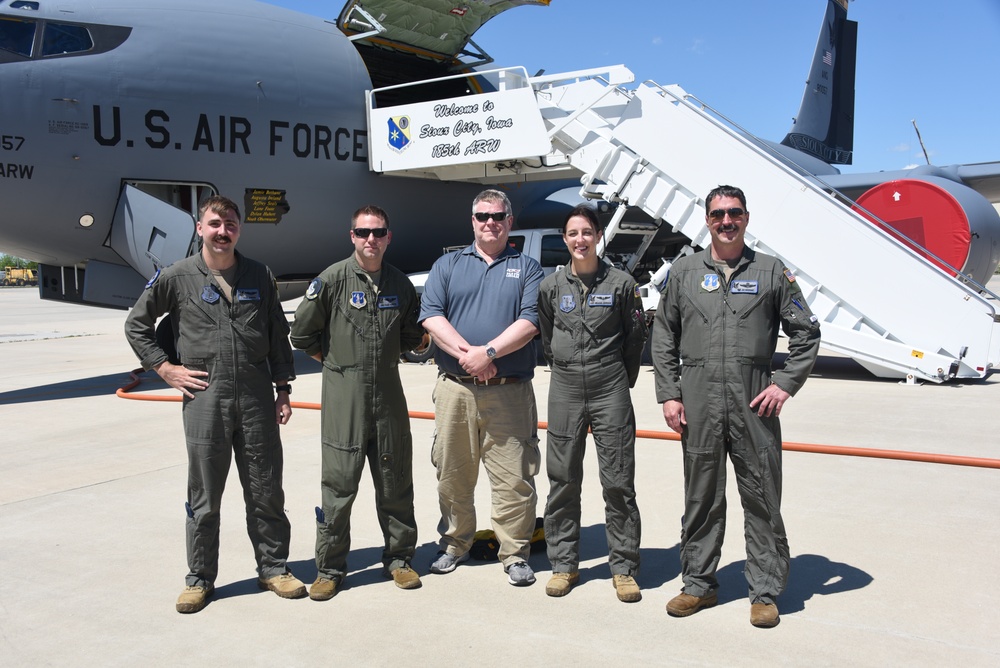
x=165 y=339
x=422 y=354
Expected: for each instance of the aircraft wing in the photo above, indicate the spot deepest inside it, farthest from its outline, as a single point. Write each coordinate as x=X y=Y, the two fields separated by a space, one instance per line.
x=436 y=28
x=983 y=177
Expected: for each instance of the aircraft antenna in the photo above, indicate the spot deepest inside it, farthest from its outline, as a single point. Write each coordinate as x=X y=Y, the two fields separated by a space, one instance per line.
x=920 y=139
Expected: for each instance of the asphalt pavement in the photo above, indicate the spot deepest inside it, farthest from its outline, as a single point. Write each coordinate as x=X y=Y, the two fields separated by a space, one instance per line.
x=892 y=561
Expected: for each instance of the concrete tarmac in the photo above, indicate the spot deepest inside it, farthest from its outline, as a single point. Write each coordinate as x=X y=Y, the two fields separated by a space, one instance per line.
x=892 y=562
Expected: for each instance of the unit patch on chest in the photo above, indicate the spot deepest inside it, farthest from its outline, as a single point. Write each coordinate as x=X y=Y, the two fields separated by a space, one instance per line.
x=209 y=294
x=567 y=303
x=710 y=283
x=358 y=299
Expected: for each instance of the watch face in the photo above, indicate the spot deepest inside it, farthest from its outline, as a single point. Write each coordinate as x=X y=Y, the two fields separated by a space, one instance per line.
x=491 y=352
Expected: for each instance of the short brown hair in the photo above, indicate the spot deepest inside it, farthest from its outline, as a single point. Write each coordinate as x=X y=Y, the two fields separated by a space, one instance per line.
x=218 y=204
x=369 y=210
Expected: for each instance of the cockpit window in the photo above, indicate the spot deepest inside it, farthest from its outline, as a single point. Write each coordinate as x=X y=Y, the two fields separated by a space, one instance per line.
x=24 y=4
x=60 y=38
x=30 y=39
x=17 y=36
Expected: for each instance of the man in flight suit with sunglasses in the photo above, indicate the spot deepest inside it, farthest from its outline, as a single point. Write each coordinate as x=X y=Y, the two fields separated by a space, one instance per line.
x=712 y=343
x=356 y=318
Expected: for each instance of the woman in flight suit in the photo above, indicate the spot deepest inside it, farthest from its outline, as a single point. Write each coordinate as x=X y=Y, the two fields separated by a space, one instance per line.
x=593 y=332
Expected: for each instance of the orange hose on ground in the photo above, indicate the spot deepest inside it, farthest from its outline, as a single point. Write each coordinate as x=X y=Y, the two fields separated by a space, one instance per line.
x=845 y=451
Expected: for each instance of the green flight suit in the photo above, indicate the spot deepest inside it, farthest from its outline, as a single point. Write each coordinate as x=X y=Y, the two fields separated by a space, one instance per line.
x=244 y=347
x=361 y=330
x=593 y=342
x=712 y=346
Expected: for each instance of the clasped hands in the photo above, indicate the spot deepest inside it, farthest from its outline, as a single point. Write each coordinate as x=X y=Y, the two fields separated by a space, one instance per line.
x=476 y=362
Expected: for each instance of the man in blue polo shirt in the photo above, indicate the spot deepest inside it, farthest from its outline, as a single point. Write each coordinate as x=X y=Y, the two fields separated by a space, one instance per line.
x=479 y=304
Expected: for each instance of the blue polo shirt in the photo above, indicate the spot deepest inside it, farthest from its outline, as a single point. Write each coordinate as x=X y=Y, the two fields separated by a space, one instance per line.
x=481 y=300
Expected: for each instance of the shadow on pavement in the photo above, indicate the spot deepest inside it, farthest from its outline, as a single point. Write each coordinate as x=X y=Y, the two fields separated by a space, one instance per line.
x=811 y=575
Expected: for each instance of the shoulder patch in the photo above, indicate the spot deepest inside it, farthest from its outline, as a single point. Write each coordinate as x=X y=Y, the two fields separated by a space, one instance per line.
x=153 y=279
x=789 y=275
x=636 y=291
x=313 y=290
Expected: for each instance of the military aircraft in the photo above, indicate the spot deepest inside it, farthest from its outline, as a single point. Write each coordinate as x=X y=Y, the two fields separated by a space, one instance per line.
x=118 y=117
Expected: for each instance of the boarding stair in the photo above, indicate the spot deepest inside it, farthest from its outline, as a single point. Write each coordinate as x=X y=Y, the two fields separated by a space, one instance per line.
x=656 y=148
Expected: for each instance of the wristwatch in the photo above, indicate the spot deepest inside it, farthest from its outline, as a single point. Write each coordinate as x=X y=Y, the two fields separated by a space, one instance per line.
x=491 y=352
x=283 y=388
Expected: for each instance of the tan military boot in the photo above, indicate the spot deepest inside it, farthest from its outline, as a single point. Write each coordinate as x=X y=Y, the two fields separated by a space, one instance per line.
x=193 y=598
x=285 y=585
x=627 y=588
x=560 y=583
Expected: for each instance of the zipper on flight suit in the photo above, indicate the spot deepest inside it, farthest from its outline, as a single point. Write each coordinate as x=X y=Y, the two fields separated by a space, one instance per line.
x=232 y=339
x=577 y=286
x=370 y=345
x=724 y=294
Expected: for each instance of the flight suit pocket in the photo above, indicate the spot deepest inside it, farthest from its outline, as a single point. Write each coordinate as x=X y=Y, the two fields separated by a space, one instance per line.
x=602 y=322
x=753 y=327
x=251 y=327
x=392 y=467
x=347 y=341
x=198 y=328
x=559 y=458
x=341 y=466
x=694 y=346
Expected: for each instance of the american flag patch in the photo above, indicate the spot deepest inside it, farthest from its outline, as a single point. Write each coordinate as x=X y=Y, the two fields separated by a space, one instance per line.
x=789 y=275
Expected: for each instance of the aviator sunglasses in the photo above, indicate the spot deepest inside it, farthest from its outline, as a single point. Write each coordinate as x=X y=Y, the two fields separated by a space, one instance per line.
x=720 y=214
x=496 y=215
x=363 y=232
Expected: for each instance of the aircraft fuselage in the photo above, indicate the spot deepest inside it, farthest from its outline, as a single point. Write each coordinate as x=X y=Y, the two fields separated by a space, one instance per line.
x=260 y=104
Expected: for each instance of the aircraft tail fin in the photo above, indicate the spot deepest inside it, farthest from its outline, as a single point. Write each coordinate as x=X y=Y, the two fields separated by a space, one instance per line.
x=824 y=126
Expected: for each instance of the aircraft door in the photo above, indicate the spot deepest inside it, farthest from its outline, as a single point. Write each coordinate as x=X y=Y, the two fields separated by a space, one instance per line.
x=148 y=233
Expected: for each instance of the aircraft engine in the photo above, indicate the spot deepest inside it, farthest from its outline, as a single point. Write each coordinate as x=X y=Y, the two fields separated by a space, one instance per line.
x=950 y=220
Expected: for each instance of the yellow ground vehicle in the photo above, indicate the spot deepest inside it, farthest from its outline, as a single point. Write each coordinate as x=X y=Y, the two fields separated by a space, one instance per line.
x=15 y=276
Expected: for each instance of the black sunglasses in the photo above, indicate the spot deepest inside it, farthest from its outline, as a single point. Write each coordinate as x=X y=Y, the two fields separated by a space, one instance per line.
x=363 y=232
x=496 y=215
x=720 y=214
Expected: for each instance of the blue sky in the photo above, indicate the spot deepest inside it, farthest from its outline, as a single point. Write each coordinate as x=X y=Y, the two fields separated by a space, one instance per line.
x=933 y=61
